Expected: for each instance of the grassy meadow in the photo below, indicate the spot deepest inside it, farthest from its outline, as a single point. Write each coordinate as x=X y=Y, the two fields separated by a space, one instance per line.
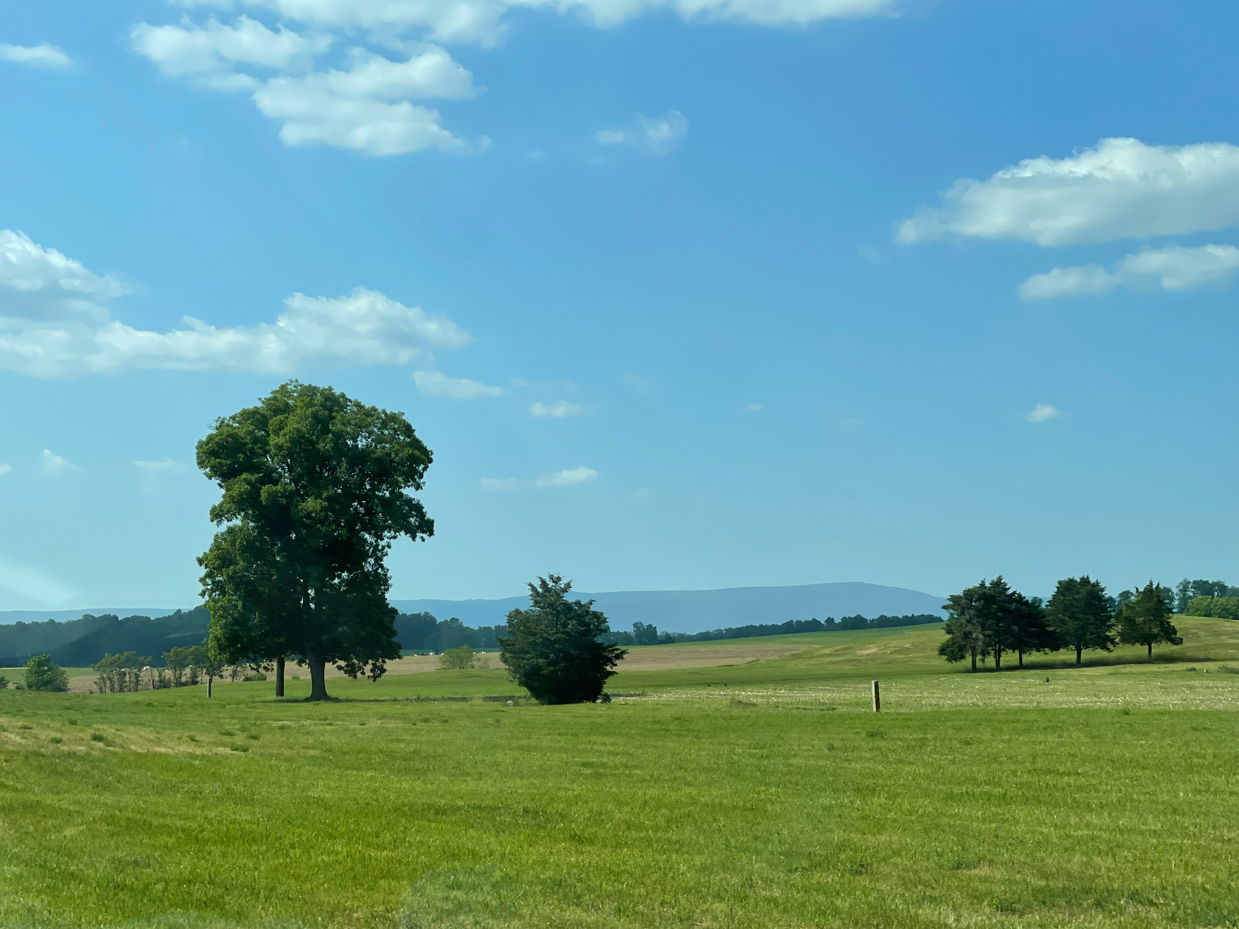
x=756 y=790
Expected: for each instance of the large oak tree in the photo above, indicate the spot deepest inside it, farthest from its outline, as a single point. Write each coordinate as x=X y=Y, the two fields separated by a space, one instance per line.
x=315 y=489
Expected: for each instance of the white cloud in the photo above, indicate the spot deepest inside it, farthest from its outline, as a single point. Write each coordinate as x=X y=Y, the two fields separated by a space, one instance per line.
x=154 y=467
x=54 y=321
x=496 y=486
x=1043 y=412
x=556 y=410
x=39 y=56
x=5 y=469
x=752 y=407
x=56 y=466
x=1172 y=268
x=481 y=20
x=367 y=108
x=1120 y=189
x=437 y=384
x=658 y=136
x=213 y=51
x=568 y=478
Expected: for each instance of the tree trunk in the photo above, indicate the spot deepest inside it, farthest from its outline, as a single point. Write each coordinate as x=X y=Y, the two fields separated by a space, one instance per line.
x=1021 y=653
x=318 y=676
x=1150 y=651
x=998 y=659
x=279 y=676
x=1079 y=651
x=974 y=659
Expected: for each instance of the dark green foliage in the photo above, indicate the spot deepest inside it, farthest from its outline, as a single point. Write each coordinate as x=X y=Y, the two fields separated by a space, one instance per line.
x=1080 y=615
x=1221 y=607
x=315 y=490
x=1186 y=591
x=991 y=619
x=4 y=682
x=82 y=642
x=412 y=630
x=1145 y=619
x=553 y=649
x=43 y=674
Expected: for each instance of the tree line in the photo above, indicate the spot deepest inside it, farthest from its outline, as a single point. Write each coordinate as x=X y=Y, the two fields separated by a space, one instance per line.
x=648 y=634
x=991 y=619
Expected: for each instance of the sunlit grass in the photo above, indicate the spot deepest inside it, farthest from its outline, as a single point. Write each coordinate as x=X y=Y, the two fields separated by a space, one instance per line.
x=1106 y=796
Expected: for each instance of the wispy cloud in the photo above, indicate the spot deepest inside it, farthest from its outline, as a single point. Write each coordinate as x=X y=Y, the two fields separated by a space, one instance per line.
x=56 y=466
x=1172 y=268
x=660 y=135
x=5 y=469
x=154 y=467
x=556 y=410
x=438 y=384
x=1043 y=412
x=38 y=56
x=568 y=478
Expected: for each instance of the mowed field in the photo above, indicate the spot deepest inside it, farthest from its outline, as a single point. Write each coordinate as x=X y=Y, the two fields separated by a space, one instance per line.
x=753 y=790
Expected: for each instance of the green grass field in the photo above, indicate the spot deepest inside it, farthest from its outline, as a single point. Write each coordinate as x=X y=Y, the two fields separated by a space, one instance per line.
x=755 y=794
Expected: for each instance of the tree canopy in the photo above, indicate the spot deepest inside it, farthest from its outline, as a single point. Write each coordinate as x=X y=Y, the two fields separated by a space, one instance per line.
x=1080 y=615
x=553 y=649
x=315 y=489
x=1145 y=619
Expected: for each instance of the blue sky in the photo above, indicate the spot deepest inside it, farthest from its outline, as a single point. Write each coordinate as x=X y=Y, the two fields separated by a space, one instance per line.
x=681 y=295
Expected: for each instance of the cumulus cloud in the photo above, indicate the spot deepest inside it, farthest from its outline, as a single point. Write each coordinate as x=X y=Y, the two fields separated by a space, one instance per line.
x=1172 y=268
x=1042 y=412
x=658 y=136
x=212 y=52
x=316 y=107
x=497 y=486
x=437 y=384
x=367 y=108
x=1121 y=189
x=55 y=466
x=482 y=20
x=38 y=56
x=568 y=478
x=556 y=410
x=55 y=321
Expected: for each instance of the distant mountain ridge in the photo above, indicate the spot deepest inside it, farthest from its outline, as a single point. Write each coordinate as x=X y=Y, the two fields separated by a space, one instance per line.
x=703 y=610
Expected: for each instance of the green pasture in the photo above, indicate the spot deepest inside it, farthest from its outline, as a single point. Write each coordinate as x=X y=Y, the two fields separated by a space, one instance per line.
x=762 y=794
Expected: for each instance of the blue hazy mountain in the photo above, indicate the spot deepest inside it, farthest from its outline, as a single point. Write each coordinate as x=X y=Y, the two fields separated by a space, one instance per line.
x=669 y=610
x=701 y=610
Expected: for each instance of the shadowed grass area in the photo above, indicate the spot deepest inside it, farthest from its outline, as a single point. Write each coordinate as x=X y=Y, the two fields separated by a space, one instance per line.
x=1107 y=796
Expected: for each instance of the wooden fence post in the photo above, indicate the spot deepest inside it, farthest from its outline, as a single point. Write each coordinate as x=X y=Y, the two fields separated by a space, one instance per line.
x=877 y=698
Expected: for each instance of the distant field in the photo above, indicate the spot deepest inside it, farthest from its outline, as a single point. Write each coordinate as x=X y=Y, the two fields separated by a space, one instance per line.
x=760 y=793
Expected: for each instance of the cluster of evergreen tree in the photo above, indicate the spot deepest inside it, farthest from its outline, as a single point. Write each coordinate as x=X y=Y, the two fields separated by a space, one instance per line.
x=991 y=619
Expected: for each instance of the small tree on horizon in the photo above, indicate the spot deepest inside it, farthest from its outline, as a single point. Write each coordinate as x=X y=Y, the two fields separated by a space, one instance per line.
x=1145 y=619
x=460 y=658
x=553 y=649
x=1079 y=614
